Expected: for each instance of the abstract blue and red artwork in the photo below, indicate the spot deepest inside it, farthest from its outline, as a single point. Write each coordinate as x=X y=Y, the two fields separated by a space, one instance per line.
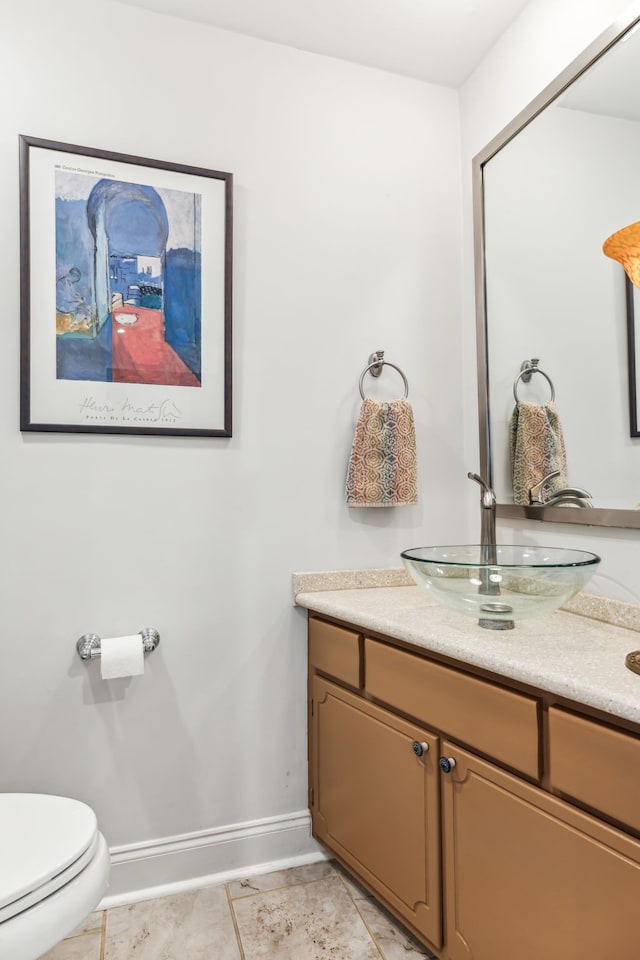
x=128 y=281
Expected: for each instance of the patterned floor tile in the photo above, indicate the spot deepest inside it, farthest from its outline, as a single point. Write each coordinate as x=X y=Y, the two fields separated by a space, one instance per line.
x=90 y=925
x=312 y=921
x=394 y=942
x=189 y=926
x=281 y=878
x=352 y=885
x=313 y=912
x=86 y=947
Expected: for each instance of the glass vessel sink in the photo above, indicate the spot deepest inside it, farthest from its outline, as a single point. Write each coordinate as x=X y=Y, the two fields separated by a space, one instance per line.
x=518 y=582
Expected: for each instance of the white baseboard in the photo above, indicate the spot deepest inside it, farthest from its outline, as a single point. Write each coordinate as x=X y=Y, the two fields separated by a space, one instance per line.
x=159 y=868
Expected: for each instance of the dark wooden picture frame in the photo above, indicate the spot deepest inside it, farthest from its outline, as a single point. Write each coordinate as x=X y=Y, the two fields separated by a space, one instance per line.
x=633 y=344
x=133 y=257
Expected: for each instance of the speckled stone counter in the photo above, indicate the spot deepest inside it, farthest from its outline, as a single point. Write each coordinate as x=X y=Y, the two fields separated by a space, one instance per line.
x=573 y=656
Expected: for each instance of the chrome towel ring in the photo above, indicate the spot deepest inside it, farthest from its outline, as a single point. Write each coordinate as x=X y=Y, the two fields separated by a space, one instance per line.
x=374 y=367
x=526 y=370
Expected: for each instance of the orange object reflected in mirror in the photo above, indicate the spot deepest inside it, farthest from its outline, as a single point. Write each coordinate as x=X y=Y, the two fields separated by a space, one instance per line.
x=624 y=246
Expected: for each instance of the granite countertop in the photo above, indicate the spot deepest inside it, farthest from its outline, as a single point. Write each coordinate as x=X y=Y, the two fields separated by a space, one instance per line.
x=569 y=654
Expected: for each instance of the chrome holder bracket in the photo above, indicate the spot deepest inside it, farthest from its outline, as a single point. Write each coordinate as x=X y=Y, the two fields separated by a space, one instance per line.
x=376 y=363
x=527 y=368
x=89 y=646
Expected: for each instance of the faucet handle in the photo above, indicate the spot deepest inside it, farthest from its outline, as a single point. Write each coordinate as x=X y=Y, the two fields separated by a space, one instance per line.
x=575 y=495
x=488 y=498
x=536 y=494
x=478 y=479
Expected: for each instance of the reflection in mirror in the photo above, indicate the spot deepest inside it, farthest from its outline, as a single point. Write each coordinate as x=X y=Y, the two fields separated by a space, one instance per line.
x=624 y=246
x=554 y=313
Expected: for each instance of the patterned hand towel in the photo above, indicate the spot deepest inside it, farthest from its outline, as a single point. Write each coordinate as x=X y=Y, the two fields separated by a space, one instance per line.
x=382 y=468
x=537 y=449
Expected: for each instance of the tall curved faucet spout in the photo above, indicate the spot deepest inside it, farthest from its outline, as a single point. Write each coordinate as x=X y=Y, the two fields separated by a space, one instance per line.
x=487 y=516
x=489 y=586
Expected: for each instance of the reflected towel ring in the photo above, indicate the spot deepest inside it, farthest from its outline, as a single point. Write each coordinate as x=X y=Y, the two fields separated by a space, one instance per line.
x=528 y=367
x=378 y=363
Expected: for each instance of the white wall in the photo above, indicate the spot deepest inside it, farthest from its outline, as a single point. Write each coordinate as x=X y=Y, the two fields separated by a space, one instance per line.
x=347 y=240
x=539 y=45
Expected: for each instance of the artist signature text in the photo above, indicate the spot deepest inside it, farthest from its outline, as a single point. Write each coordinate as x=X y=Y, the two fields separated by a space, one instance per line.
x=164 y=411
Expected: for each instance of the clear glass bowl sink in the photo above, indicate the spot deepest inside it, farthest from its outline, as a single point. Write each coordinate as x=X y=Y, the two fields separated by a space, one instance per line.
x=522 y=582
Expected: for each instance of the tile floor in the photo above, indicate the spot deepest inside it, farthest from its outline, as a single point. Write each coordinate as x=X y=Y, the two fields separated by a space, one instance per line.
x=314 y=912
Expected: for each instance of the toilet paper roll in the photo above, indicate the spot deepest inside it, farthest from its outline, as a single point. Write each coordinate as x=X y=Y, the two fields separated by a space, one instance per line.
x=121 y=657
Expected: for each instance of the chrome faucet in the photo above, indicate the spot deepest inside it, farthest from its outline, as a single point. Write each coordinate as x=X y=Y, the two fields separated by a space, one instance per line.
x=489 y=586
x=487 y=520
x=572 y=496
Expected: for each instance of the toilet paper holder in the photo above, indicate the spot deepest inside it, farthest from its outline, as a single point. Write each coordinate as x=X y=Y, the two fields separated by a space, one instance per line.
x=89 y=646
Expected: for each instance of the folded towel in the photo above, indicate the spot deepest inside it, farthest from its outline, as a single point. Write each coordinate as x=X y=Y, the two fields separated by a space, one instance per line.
x=537 y=449
x=382 y=468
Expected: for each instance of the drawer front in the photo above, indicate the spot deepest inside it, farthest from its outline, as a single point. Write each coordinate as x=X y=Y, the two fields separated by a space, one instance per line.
x=595 y=764
x=496 y=721
x=334 y=651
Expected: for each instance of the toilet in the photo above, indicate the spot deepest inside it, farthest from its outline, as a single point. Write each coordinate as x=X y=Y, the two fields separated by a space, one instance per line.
x=54 y=870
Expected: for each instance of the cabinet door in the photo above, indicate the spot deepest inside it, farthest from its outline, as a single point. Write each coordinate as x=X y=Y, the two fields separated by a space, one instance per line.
x=376 y=803
x=529 y=876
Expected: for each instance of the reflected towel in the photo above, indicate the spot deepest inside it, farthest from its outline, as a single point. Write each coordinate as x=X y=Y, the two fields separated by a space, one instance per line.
x=537 y=449
x=382 y=468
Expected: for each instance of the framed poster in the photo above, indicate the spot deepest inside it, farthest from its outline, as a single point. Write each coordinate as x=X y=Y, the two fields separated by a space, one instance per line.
x=125 y=268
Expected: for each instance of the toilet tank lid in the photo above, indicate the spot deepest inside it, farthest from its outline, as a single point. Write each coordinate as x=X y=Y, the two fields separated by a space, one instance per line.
x=40 y=835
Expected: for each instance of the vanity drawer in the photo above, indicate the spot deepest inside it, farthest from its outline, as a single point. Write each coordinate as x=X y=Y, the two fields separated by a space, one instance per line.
x=334 y=651
x=499 y=722
x=595 y=764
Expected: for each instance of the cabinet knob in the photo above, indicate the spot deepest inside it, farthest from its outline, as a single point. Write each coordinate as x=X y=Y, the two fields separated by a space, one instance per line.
x=419 y=748
x=447 y=764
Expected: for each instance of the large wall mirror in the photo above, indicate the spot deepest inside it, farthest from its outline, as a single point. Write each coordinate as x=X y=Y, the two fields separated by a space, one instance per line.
x=548 y=192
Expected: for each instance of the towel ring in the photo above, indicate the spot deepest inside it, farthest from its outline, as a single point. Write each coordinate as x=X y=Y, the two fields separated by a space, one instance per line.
x=376 y=362
x=529 y=367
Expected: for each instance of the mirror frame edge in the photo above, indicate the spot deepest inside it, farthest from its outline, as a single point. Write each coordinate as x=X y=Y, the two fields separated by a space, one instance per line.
x=597 y=516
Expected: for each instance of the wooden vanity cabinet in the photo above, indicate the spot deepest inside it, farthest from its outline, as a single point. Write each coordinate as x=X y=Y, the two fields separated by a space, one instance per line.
x=529 y=876
x=376 y=801
x=595 y=764
x=481 y=714
x=490 y=859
